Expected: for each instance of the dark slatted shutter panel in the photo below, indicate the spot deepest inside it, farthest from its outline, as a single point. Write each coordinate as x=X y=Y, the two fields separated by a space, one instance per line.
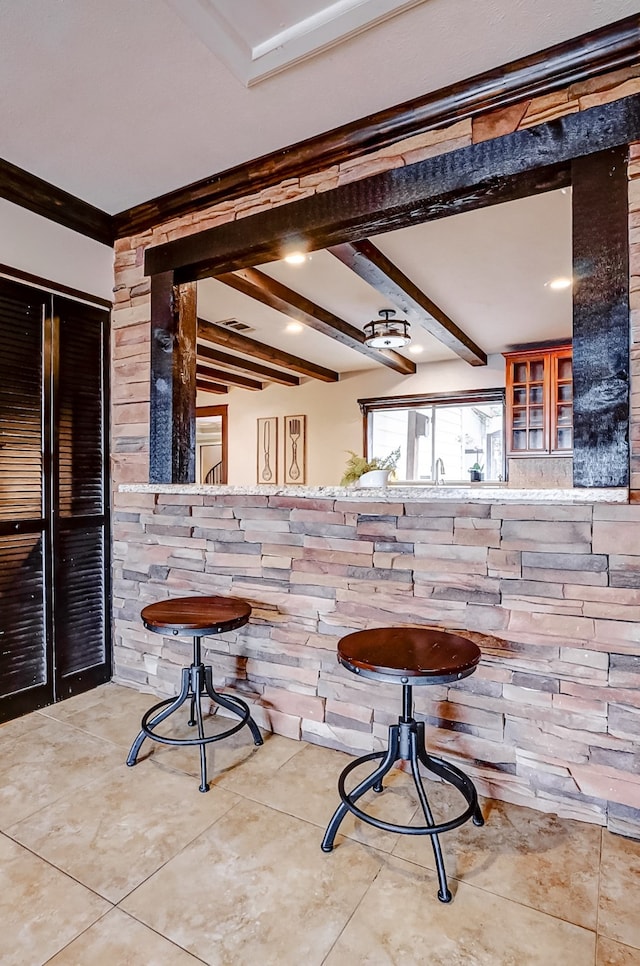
x=25 y=660
x=21 y=312
x=79 y=411
x=79 y=537
x=80 y=634
x=22 y=628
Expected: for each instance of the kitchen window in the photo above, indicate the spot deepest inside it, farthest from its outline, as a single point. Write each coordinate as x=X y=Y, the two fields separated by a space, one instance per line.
x=442 y=438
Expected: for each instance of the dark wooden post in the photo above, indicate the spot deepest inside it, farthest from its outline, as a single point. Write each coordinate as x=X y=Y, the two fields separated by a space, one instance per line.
x=601 y=319
x=172 y=444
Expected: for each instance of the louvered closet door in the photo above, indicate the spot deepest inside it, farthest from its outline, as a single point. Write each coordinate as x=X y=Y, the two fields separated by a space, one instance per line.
x=80 y=543
x=54 y=619
x=25 y=659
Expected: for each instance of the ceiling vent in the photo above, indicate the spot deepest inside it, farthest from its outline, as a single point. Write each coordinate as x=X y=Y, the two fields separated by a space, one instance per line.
x=236 y=325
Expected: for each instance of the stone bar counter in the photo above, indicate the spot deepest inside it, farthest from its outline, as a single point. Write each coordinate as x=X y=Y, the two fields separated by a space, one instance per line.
x=548 y=582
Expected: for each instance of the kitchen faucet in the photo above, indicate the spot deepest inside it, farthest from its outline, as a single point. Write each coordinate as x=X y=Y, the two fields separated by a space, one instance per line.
x=439 y=472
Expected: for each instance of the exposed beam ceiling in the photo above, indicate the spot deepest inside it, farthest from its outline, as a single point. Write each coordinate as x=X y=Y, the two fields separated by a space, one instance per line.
x=228 y=378
x=371 y=265
x=213 y=387
x=268 y=374
x=25 y=189
x=210 y=332
x=267 y=290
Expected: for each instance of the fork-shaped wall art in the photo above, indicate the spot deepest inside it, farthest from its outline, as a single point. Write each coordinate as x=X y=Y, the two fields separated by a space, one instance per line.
x=295 y=463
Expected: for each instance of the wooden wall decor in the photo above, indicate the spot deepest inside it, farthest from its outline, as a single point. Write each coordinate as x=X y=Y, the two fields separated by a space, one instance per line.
x=267 y=451
x=295 y=449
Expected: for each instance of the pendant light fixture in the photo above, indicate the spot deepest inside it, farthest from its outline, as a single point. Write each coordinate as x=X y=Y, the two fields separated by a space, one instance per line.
x=387 y=332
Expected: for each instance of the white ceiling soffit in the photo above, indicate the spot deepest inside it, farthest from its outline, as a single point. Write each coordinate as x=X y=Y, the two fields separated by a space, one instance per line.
x=272 y=35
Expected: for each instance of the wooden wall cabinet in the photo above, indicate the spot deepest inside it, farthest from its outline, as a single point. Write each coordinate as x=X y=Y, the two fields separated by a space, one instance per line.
x=539 y=402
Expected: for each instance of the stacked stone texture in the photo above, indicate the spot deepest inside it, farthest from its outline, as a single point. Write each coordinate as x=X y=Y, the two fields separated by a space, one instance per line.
x=550 y=592
x=551 y=717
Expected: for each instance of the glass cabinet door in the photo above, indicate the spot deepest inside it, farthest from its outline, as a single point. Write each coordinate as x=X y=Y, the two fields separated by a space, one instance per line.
x=562 y=402
x=539 y=401
x=527 y=389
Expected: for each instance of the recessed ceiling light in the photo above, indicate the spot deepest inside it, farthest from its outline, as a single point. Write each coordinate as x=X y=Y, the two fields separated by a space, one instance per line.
x=559 y=283
x=415 y=350
x=294 y=327
x=295 y=258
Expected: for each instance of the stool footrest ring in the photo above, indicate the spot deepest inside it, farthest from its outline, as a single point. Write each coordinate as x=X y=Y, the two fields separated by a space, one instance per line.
x=406 y=743
x=196 y=681
x=465 y=786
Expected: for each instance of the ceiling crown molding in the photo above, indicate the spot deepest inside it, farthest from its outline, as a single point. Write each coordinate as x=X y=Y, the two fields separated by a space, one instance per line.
x=590 y=55
x=268 y=41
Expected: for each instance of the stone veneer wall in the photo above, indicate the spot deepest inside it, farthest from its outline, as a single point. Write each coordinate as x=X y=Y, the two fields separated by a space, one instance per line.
x=551 y=718
x=538 y=763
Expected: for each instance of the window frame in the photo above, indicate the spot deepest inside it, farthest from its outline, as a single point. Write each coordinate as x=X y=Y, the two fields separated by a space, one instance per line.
x=465 y=397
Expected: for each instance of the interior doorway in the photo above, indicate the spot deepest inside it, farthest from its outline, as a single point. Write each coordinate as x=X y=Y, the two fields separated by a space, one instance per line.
x=211 y=444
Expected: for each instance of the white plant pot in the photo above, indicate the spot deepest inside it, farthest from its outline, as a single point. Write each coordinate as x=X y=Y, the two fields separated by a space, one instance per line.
x=374 y=478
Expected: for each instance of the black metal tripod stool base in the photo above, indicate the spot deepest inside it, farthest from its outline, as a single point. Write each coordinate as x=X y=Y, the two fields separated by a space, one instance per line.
x=406 y=743
x=196 y=681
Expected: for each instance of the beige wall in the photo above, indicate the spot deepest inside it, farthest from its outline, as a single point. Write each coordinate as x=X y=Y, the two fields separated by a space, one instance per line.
x=41 y=247
x=334 y=421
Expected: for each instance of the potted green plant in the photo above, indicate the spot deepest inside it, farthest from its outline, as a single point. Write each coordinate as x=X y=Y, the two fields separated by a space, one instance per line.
x=374 y=472
x=476 y=472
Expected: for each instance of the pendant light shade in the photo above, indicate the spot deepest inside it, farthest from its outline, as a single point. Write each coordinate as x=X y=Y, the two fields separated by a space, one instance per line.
x=387 y=332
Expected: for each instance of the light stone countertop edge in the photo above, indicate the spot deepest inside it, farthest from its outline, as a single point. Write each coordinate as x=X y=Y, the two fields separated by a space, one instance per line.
x=394 y=494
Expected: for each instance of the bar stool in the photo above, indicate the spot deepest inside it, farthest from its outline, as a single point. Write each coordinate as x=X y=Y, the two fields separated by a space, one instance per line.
x=199 y=617
x=408 y=656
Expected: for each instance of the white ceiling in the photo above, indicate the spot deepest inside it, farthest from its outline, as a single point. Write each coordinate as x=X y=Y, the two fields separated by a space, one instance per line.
x=120 y=101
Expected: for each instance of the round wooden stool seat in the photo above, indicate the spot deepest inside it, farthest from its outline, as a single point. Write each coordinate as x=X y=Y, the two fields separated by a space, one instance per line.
x=196 y=617
x=408 y=656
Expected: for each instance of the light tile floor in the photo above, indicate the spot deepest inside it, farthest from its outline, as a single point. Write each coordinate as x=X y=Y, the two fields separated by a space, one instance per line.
x=104 y=864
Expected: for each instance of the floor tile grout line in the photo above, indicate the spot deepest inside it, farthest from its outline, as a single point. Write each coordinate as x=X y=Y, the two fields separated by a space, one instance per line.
x=497 y=895
x=81 y=933
x=53 y=865
x=122 y=898
x=69 y=791
x=595 y=957
x=124 y=913
x=180 y=851
x=353 y=912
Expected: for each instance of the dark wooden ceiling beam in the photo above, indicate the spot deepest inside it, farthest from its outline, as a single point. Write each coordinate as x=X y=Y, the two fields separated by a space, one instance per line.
x=268 y=374
x=590 y=55
x=227 y=378
x=43 y=198
x=210 y=332
x=371 y=265
x=527 y=161
x=207 y=386
x=277 y=296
